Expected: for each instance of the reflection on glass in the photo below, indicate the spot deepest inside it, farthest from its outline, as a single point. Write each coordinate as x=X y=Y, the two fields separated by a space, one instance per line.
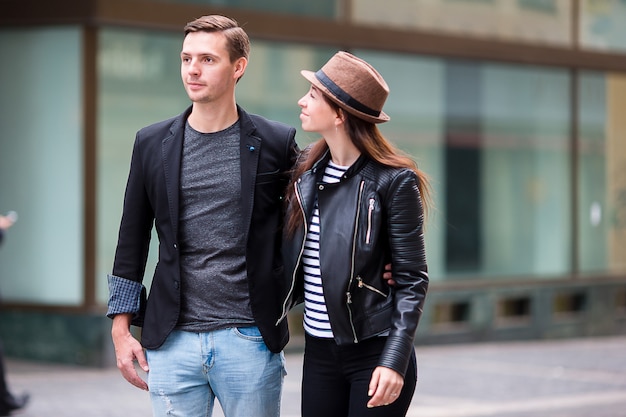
x=41 y=160
x=603 y=24
x=525 y=180
x=415 y=105
x=536 y=21
x=602 y=173
x=139 y=84
x=592 y=221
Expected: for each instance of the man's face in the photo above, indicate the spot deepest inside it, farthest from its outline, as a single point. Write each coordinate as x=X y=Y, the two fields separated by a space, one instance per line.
x=206 y=70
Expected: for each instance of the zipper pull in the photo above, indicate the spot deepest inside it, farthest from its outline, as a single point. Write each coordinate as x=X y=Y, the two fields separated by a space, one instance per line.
x=359 y=281
x=349 y=297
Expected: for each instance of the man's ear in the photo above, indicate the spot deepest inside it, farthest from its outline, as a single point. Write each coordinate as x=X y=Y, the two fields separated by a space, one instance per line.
x=240 y=67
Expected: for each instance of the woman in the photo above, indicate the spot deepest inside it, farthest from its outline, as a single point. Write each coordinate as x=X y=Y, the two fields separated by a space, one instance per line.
x=354 y=204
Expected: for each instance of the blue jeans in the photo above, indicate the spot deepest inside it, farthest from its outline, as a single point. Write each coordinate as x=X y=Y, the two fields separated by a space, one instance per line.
x=190 y=370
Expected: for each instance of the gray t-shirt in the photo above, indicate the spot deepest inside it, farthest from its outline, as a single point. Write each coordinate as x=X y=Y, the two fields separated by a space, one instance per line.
x=212 y=248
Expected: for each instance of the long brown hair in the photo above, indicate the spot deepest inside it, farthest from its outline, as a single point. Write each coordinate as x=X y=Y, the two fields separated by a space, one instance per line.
x=370 y=142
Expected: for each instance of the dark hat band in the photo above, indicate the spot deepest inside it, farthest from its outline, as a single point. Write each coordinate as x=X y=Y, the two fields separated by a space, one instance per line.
x=343 y=96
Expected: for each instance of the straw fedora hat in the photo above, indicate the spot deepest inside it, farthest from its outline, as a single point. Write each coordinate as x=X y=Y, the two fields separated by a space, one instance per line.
x=353 y=84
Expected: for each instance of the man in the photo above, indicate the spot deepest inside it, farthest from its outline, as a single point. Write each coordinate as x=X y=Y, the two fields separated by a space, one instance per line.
x=211 y=180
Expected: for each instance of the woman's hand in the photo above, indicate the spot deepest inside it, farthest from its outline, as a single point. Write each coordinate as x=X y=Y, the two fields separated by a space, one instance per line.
x=385 y=386
x=387 y=276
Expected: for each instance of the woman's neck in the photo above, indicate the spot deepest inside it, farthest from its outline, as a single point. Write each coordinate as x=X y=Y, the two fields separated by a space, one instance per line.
x=342 y=151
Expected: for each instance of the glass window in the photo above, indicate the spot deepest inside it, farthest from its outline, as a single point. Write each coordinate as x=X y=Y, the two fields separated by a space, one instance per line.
x=524 y=172
x=416 y=107
x=495 y=141
x=537 y=21
x=273 y=84
x=603 y=24
x=592 y=224
x=139 y=84
x=507 y=171
x=41 y=157
x=602 y=173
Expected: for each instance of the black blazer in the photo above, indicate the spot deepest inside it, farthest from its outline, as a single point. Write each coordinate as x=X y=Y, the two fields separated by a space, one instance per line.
x=268 y=150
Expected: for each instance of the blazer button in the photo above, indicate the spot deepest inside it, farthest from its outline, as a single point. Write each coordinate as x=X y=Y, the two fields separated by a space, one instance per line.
x=175 y=246
x=321 y=187
x=176 y=285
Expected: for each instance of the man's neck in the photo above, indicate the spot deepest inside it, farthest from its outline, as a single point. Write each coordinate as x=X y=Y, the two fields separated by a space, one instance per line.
x=210 y=118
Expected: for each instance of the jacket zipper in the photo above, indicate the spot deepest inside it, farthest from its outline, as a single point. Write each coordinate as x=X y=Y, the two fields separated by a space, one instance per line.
x=356 y=229
x=369 y=221
x=293 y=275
x=362 y=284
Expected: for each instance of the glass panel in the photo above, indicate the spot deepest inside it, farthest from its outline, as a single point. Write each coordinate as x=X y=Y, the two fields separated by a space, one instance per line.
x=318 y=8
x=416 y=107
x=273 y=85
x=592 y=244
x=139 y=84
x=602 y=173
x=537 y=21
x=525 y=172
x=494 y=138
x=603 y=24
x=41 y=157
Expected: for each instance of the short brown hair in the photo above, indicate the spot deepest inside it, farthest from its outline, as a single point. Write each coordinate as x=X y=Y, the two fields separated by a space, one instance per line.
x=238 y=43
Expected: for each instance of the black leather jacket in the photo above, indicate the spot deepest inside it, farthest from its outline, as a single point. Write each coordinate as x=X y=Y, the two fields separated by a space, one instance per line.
x=373 y=216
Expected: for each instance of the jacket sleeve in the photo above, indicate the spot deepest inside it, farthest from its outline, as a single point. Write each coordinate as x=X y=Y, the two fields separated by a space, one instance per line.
x=405 y=221
x=126 y=296
x=126 y=293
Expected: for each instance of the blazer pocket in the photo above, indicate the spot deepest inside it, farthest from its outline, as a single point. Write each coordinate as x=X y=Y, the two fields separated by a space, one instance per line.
x=268 y=177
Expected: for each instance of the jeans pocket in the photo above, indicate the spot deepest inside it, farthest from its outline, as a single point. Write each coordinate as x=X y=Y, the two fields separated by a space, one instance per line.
x=249 y=333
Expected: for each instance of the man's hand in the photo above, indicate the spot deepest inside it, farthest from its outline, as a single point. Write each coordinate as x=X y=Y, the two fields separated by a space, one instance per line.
x=387 y=276
x=128 y=350
x=385 y=386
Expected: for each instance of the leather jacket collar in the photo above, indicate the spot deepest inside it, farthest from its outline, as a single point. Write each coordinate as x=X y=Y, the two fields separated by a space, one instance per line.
x=319 y=167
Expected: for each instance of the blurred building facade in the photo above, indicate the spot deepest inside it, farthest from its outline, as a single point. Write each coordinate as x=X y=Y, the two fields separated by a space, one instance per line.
x=515 y=108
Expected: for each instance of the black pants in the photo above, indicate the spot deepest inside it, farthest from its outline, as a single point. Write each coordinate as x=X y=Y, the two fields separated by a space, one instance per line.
x=335 y=379
x=6 y=397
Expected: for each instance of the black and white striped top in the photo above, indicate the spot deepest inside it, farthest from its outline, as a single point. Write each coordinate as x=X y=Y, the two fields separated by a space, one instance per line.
x=316 y=322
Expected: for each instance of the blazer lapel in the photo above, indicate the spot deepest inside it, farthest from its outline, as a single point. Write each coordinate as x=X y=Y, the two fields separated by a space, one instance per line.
x=172 y=149
x=249 y=151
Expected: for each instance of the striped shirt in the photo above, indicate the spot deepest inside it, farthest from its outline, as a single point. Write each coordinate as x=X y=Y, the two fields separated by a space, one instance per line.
x=316 y=322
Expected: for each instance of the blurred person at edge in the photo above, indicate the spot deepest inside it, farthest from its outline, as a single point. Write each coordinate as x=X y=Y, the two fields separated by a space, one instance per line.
x=211 y=180
x=8 y=401
x=355 y=203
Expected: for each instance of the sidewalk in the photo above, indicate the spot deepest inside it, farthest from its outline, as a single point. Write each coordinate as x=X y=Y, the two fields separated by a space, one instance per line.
x=562 y=378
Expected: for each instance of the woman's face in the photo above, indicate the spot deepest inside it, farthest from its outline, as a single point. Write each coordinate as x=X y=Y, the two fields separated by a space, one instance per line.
x=317 y=115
